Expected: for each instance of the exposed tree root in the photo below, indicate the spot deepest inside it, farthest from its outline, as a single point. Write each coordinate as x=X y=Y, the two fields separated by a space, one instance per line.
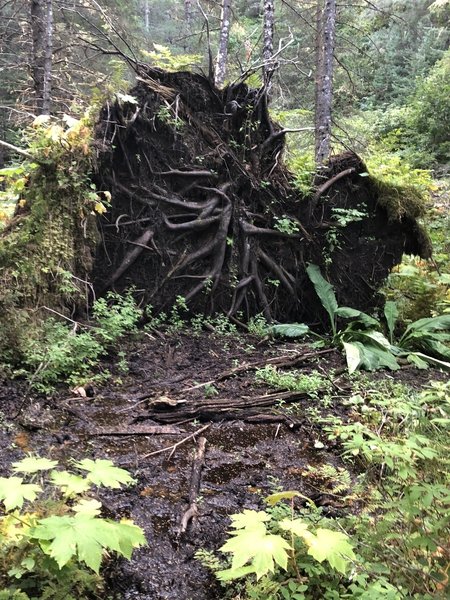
x=229 y=232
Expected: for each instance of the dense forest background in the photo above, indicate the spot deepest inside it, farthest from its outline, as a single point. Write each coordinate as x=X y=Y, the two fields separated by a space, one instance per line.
x=225 y=265
x=390 y=78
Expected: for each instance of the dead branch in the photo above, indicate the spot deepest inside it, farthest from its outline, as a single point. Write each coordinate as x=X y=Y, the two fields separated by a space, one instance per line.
x=134 y=430
x=175 y=446
x=24 y=153
x=194 y=488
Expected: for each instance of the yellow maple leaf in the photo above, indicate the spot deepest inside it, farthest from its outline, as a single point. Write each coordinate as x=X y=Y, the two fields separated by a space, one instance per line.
x=100 y=208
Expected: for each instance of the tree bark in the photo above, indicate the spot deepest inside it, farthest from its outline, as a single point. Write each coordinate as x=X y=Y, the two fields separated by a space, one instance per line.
x=41 y=12
x=146 y=15
x=188 y=10
x=326 y=30
x=269 y=20
x=222 y=53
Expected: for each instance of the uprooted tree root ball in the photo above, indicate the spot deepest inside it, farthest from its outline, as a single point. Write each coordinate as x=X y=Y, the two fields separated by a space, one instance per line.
x=202 y=207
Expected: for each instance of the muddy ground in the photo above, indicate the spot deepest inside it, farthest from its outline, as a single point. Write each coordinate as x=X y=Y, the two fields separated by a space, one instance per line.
x=257 y=440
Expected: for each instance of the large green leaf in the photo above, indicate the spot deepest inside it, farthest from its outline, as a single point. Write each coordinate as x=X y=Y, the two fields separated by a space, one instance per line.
x=440 y=323
x=292 y=330
x=103 y=472
x=259 y=547
x=440 y=364
x=325 y=544
x=332 y=546
x=362 y=318
x=391 y=316
x=130 y=537
x=69 y=483
x=372 y=355
x=352 y=356
x=297 y=527
x=428 y=342
x=85 y=536
x=13 y=492
x=325 y=292
x=33 y=464
x=250 y=519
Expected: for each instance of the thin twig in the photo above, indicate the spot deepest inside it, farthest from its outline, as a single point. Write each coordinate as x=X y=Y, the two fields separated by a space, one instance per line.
x=175 y=446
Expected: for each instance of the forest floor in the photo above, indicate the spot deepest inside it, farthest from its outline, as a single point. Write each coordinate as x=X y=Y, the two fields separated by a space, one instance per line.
x=257 y=441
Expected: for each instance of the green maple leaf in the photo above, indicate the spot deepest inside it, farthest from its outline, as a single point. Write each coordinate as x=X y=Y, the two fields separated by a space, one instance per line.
x=33 y=464
x=103 y=472
x=272 y=548
x=262 y=549
x=250 y=519
x=130 y=536
x=85 y=536
x=332 y=546
x=298 y=528
x=88 y=507
x=69 y=483
x=243 y=545
x=13 y=492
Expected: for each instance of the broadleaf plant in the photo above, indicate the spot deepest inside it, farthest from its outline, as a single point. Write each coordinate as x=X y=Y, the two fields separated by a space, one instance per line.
x=262 y=547
x=424 y=342
x=58 y=541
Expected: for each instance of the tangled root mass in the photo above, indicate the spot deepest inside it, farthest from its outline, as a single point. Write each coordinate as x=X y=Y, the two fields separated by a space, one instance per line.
x=203 y=207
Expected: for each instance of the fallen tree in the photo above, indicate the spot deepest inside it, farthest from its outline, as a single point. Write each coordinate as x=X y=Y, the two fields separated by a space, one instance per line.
x=203 y=207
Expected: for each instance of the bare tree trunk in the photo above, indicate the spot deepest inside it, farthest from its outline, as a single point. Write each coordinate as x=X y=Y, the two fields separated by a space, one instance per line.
x=146 y=15
x=188 y=11
x=269 y=20
x=222 y=53
x=41 y=12
x=326 y=30
x=48 y=59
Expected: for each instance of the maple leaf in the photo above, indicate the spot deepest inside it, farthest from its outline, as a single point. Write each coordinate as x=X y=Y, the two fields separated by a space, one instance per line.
x=130 y=536
x=103 y=472
x=88 y=507
x=332 y=546
x=69 y=483
x=13 y=492
x=85 y=536
x=250 y=519
x=259 y=547
x=272 y=548
x=297 y=527
x=33 y=464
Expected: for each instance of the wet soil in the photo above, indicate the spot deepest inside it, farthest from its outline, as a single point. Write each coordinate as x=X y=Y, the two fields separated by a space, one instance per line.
x=127 y=421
